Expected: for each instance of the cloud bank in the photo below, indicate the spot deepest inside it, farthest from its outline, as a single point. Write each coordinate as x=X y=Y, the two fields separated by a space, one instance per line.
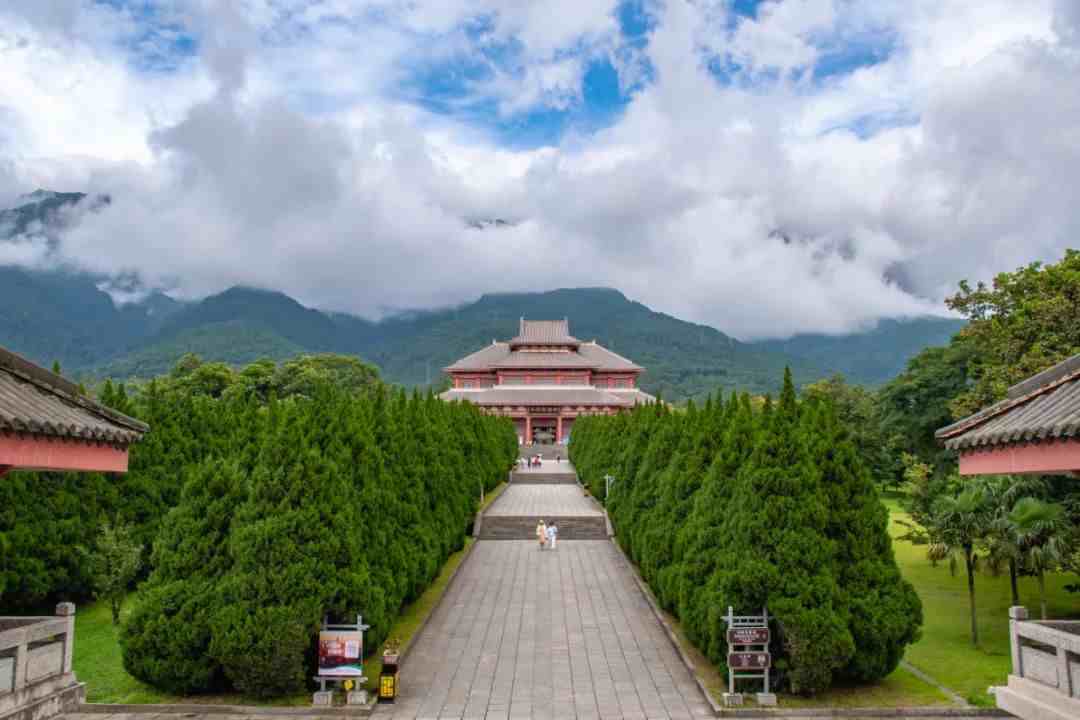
x=807 y=165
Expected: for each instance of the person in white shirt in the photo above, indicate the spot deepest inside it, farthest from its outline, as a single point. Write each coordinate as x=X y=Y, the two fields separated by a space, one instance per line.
x=552 y=533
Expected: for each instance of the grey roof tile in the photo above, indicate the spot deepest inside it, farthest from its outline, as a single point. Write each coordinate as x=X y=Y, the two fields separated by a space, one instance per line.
x=1044 y=407
x=38 y=402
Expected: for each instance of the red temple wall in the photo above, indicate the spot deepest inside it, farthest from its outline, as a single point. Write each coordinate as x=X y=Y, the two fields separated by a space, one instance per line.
x=613 y=380
x=32 y=452
x=1047 y=457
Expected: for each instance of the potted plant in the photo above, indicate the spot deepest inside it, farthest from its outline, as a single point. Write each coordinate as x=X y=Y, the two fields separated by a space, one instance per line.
x=391 y=650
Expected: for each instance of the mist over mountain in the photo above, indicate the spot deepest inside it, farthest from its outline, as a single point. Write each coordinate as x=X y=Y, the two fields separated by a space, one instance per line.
x=75 y=318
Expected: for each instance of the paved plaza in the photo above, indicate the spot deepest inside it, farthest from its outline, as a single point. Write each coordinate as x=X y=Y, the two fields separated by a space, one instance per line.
x=542 y=501
x=562 y=634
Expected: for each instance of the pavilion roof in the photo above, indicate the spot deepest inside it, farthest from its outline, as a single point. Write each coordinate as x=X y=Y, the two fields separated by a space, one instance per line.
x=35 y=401
x=1043 y=407
x=544 y=332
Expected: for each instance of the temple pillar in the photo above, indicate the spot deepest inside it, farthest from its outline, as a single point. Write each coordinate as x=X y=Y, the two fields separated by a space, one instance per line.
x=528 y=430
x=558 y=429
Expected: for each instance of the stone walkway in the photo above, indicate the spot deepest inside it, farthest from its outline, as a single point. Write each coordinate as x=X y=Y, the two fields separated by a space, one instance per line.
x=543 y=501
x=553 y=635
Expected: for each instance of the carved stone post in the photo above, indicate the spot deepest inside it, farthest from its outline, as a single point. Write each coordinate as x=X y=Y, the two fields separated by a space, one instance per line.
x=67 y=610
x=1017 y=614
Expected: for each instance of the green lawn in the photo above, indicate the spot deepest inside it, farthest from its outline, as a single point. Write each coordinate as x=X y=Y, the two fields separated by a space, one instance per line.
x=945 y=651
x=98 y=663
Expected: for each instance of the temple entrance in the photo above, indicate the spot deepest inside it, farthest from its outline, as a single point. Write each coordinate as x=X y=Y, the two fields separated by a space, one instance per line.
x=543 y=430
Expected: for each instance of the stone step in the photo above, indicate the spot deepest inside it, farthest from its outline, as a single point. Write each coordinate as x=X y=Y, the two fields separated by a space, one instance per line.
x=546 y=451
x=516 y=527
x=543 y=478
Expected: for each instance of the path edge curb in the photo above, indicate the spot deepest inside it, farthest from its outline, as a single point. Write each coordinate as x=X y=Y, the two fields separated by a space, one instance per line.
x=406 y=651
x=306 y=711
x=929 y=711
x=668 y=630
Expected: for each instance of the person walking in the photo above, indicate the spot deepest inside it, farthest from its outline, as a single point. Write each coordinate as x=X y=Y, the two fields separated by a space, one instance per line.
x=541 y=533
x=553 y=533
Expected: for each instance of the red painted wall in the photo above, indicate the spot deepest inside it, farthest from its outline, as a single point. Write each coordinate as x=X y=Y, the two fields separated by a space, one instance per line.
x=1051 y=457
x=38 y=453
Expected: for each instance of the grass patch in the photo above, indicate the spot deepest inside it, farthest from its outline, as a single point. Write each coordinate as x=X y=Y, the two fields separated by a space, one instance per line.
x=900 y=689
x=493 y=496
x=412 y=617
x=98 y=662
x=945 y=651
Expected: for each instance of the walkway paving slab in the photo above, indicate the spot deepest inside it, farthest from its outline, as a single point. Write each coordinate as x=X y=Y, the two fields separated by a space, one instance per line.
x=541 y=501
x=554 y=634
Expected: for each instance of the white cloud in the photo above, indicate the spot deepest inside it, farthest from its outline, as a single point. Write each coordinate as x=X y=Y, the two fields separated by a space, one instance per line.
x=283 y=155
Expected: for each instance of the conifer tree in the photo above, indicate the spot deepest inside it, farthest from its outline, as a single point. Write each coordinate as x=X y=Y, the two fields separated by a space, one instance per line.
x=784 y=560
x=882 y=611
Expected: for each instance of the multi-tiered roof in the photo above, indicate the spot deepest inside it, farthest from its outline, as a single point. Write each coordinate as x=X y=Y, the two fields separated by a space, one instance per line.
x=548 y=348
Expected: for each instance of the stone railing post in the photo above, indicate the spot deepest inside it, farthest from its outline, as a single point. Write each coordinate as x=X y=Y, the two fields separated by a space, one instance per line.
x=1017 y=614
x=67 y=610
x=21 y=660
x=1065 y=685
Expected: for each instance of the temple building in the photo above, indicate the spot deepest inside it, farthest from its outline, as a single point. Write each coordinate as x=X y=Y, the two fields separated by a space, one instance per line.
x=545 y=378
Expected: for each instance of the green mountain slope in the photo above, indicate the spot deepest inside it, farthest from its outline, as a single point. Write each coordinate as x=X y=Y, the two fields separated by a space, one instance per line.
x=872 y=357
x=272 y=311
x=233 y=341
x=57 y=316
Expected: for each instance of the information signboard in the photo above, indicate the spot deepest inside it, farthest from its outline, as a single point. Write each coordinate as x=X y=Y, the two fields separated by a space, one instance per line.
x=748 y=636
x=749 y=660
x=340 y=653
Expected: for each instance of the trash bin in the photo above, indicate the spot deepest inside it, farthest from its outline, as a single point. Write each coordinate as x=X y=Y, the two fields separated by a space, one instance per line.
x=388 y=678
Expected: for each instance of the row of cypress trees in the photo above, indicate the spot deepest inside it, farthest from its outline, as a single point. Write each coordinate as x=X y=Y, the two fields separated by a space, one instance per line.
x=331 y=503
x=735 y=505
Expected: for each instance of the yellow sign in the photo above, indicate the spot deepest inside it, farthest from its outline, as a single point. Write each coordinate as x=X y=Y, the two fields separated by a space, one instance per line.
x=348 y=684
x=387 y=686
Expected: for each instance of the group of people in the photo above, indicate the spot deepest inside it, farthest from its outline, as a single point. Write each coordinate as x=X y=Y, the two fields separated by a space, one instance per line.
x=547 y=533
x=535 y=461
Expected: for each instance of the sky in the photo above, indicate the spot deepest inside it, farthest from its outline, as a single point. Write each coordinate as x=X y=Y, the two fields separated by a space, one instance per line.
x=766 y=167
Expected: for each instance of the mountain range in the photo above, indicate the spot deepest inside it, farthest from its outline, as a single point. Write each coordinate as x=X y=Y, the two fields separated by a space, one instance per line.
x=65 y=316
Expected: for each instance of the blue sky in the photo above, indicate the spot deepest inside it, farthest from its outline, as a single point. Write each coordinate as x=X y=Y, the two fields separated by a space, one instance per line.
x=452 y=84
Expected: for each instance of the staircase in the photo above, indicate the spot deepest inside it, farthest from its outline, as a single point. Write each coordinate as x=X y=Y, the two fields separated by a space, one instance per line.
x=543 y=478
x=507 y=527
x=548 y=451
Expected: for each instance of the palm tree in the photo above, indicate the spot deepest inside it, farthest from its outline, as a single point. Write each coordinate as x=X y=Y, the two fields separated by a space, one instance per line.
x=1002 y=545
x=956 y=526
x=1042 y=530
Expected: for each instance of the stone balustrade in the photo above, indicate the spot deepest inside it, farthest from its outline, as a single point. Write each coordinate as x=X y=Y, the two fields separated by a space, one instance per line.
x=1045 y=681
x=36 y=677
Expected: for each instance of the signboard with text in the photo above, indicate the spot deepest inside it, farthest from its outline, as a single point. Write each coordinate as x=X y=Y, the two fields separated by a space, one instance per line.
x=748 y=636
x=749 y=660
x=340 y=653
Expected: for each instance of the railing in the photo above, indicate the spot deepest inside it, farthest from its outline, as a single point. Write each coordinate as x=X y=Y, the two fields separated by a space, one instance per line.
x=35 y=649
x=1046 y=652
